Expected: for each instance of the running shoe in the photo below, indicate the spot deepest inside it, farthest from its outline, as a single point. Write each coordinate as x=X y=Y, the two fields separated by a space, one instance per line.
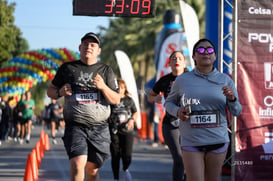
x=127 y=175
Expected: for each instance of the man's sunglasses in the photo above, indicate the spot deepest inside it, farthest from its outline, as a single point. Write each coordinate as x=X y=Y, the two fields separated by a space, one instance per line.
x=201 y=50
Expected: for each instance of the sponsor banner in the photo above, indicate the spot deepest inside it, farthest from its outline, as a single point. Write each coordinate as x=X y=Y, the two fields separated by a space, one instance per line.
x=254 y=148
x=175 y=41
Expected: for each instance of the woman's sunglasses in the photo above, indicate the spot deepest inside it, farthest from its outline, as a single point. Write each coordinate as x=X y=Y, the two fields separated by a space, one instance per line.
x=201 y=50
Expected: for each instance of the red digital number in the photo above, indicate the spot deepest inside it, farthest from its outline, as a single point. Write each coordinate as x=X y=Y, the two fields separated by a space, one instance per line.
x=133 y=11
x=120 y=6
x=109 y=6
x=146 y=4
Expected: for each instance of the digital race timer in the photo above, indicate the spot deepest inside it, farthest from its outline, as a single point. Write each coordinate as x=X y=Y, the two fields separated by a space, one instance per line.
x=127 y=8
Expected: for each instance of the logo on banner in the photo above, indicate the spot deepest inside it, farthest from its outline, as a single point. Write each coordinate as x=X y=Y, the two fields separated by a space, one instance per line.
x=268 y=137
x=262 y=38
x=268 y=111
x=175 y=41
x=267 y=147
x=268 y=100
x=268 y=75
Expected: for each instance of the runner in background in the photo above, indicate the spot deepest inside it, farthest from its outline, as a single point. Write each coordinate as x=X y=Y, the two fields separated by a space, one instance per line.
x=55 y=115
x=121 y=124
x=46 y=117
x=21 y=129
x=28 y=115
x=170 y=126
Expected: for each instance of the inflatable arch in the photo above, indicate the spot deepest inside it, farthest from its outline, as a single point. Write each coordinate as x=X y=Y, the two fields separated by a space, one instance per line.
x=21 y=73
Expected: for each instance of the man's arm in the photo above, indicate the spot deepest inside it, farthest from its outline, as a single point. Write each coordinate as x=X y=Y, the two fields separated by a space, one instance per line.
x=55 y=93
x=110 y=95
x=52 y=91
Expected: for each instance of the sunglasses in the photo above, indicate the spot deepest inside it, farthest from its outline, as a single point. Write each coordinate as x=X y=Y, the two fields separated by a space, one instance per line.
x=201 y=50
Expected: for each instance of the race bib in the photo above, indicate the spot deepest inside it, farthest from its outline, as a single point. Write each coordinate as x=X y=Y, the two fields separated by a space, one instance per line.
x=87 y=98
x=200 y=119
x=122 y=118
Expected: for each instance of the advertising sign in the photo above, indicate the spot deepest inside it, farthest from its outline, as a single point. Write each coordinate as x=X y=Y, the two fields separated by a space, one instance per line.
x=254 y=148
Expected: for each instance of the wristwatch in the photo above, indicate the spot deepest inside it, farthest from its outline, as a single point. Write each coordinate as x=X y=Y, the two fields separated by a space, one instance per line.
x=58 y=93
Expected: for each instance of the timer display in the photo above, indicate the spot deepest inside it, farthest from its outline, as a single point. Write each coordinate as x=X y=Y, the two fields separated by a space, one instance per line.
x=120 y=8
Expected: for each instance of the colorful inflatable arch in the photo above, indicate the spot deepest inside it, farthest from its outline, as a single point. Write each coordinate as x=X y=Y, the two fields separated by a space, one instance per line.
x=20 y=73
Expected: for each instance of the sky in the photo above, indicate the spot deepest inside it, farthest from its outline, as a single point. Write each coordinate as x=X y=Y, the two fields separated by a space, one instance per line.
x=51 y=24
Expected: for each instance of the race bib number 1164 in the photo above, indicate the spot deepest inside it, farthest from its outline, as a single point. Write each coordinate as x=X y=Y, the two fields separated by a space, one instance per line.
x=199 y=119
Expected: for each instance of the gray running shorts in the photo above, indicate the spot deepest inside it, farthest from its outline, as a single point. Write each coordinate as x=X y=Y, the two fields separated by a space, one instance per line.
x=91 y=141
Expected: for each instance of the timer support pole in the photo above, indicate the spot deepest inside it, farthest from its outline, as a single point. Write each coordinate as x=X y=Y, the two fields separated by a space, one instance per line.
x=114 y=3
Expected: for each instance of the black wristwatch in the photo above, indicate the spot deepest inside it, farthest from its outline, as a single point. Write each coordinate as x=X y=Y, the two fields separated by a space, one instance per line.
x=58 y=93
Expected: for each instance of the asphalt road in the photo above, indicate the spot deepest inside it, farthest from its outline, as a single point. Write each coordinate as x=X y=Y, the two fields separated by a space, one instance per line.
x=148 y=164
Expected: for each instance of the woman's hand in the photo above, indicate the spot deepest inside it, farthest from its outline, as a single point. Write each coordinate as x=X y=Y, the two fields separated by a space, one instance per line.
x=183 y=114
x=131 y=124
x=228 y=92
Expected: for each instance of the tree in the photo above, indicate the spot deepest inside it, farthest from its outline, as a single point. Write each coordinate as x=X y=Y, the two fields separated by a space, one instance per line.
x=12 y=43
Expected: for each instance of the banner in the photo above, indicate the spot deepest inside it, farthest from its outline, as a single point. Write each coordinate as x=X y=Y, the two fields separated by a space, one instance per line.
x=170 y=39
x=175 y=41
x=254 y=148
x=191 y=26
x=127 y=74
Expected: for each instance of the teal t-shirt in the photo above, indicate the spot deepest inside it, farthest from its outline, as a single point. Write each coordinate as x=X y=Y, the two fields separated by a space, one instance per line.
x=28 y=111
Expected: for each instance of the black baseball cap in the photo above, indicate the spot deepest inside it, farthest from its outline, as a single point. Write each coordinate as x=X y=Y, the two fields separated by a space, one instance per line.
x=91 y=35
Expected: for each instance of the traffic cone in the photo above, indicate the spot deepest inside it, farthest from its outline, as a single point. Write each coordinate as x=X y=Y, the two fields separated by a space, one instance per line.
x=42 y=137
x=47 y=145
x=41 y=148
x=28 y=172
x=160 y=133
x=42 y=141
x=42 y=134
x=143 y=130
x=34 y=166
x=38 y=153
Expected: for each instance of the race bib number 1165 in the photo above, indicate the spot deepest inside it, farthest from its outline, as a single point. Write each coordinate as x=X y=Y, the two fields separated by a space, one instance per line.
x=87 y=97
